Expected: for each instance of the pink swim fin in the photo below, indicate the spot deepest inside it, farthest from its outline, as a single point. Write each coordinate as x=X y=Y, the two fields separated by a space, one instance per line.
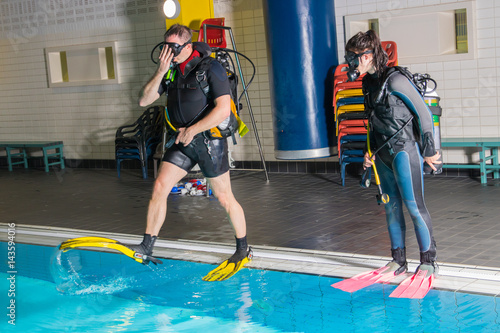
x=416 y=286
x=382 y=275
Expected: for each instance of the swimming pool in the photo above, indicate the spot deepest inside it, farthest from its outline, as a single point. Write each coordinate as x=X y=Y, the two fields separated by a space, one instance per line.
x=117 y=294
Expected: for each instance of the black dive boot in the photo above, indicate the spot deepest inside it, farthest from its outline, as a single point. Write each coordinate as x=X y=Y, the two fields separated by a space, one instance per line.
x=428 y=262
x=144 y=250
x=241 y=248
x=399 y=263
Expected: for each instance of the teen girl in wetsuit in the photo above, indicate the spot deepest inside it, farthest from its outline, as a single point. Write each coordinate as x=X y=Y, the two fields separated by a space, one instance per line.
x=394 y=104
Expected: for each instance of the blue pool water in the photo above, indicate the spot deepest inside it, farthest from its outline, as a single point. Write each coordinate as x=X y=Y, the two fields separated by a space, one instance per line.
x=115 y=294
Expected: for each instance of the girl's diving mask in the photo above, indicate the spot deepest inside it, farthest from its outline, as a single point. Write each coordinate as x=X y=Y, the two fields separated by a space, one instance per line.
x=352 y=60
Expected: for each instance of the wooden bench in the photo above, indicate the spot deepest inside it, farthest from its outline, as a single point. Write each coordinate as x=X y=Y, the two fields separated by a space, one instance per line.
x=484 y=144
x=21 y=157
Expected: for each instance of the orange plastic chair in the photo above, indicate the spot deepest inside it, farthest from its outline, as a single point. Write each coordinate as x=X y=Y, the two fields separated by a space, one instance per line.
x=346 y=86
x=215 y=37
x=343 y=88
x=390 y=47
x=340 y=75
x=351 y=123
x=350 y=131
x=392 y=51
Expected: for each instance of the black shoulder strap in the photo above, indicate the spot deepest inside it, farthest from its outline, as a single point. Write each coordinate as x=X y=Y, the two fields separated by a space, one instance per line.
x=405 y=71
x=420 y=81
x=201 y=75
x=385 y=81
x=415 y=79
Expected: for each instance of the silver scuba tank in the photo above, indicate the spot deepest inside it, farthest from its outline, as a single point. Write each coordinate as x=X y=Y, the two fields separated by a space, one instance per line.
x=432 y=101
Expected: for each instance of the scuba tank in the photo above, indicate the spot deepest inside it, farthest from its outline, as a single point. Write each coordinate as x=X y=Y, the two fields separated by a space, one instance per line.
x=432 y=100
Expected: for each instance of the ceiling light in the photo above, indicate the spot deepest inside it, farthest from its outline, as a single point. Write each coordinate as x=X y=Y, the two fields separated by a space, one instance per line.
x=171 y=8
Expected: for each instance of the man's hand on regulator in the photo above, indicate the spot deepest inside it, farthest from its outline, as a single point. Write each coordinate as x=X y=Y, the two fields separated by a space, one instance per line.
x=184 y=136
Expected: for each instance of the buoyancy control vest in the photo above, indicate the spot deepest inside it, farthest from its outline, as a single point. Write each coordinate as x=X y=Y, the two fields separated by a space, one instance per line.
x=186 y=102
x=387 y=113
x=190 y=97
x=390 y=116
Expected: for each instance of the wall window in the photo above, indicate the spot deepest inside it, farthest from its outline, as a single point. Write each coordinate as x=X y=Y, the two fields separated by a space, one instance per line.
x=424 y=34
x=461 y=30
x=82 y=65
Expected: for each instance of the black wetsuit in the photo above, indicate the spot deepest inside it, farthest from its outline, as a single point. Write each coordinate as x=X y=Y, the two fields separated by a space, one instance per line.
x=400 y=163
x=187 y=104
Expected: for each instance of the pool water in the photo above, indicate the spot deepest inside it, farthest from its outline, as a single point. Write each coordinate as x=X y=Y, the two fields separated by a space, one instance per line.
x=112 y=293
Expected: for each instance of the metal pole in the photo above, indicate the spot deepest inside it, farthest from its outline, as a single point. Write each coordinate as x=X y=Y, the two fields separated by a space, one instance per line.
x=252 y=118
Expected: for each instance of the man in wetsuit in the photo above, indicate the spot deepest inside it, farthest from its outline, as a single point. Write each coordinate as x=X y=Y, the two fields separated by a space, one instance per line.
x=401 y=124
x=191 y=113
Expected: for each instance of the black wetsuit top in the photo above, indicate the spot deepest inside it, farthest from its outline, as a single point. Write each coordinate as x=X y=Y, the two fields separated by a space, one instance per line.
x=186 y=101
x=390 y=111
x=187 y=104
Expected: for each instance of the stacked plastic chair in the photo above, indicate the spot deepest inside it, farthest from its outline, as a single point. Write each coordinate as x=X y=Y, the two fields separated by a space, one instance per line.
x=138 y=141
x=215 y=37
x=350 y=117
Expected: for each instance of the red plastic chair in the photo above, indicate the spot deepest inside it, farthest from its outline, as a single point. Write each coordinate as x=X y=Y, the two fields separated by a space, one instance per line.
x=392 y=51
x=390 y=47
x=215 y=37
x=349 y=131
x=340 y=82
x=340 y=75
x=348 y=123
x=346 y=86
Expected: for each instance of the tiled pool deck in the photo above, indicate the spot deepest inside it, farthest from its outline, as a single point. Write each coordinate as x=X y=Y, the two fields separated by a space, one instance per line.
x=297 y=222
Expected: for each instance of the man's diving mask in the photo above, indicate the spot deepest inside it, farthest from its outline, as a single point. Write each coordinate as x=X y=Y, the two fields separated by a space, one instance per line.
x=176 y=48
x=352 y=60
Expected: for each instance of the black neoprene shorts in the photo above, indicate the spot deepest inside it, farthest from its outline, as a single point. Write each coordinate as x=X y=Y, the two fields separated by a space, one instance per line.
x=212 y=163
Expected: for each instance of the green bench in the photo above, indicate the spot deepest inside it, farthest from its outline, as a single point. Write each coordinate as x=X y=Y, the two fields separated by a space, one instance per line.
x=484 y=144
x=16 y=152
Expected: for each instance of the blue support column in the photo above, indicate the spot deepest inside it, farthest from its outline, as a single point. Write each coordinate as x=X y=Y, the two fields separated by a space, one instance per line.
x=302 y=42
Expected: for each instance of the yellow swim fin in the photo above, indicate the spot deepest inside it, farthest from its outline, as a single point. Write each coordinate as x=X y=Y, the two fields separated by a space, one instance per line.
x=106 y=243
x=229 y=267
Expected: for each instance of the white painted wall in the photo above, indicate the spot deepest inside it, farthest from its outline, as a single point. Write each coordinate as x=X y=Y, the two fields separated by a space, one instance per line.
x=86 y=118
x=469 y=89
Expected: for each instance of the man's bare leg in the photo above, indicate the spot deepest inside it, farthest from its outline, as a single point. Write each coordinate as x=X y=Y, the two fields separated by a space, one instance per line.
x=221 y=186
x=222 y=189
x=168 y=176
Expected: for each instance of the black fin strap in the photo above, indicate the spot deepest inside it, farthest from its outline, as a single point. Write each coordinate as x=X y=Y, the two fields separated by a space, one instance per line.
x=427 y=257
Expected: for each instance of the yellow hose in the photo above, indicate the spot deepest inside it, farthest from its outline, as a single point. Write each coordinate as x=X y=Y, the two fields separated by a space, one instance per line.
x=383 y=197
